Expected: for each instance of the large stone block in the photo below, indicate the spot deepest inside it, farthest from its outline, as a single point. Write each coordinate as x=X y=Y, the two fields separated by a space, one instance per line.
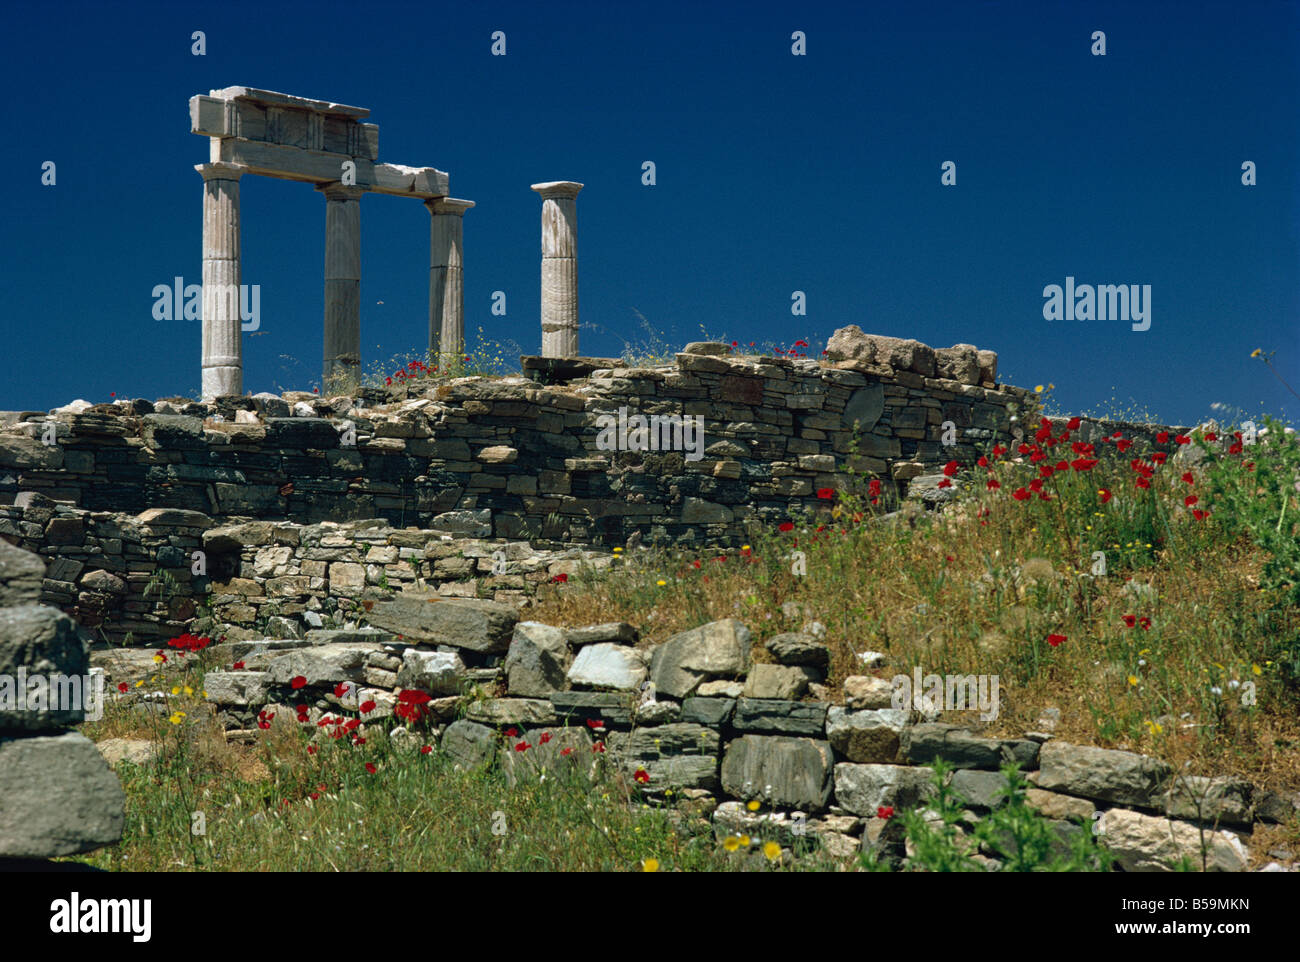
x=776 y=716
x=435 y=672
x=680 y=755
x=863 y=789
x=717 y=649
x=1125 y=778
x=781 y=771
x=1146 y=843
x=606 y=665
x=20 y=576
x=536 y=662
x=57 y=797
x=866 y=736
x=40 y=646
x=483 y=626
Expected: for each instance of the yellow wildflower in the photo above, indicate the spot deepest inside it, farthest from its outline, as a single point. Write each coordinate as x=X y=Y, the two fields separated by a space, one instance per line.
x=650 y=865
x=772 y=851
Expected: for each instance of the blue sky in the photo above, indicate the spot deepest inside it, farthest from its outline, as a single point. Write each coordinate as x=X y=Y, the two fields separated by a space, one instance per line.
x=775 y=173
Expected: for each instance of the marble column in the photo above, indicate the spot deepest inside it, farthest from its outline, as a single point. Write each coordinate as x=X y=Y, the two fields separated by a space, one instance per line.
x=446 y=278
x=559 y=267
x=342 y=286
x=223 y=360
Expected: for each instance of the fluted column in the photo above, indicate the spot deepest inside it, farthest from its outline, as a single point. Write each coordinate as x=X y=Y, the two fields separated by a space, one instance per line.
x=446 y=278
x=559 y=267
x=223 y=359
x=342 y=285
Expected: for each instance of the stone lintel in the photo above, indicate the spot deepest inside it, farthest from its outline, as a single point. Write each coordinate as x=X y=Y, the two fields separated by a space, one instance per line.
x=272 y=98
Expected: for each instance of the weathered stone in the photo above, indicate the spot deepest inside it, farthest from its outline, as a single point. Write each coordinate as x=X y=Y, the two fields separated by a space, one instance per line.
x=981 y=790
x=778 y=717
x=136 y=751
x=923 y=743
x=863 y=410
x=719 y=648
x=563 y=748
x=797 y=648
x=483 y=626
x=37 y=642
x=793 y=772
x=699 y=511
x=679 y=755
x=606 y=665
x=776 y=681
x=867 y=692
x=1223 y=800
x=579 y=706
x=1052 y=805
x=469 y=524
x=435 y=672
x=237 y=688
x=20 y=576
x=537 y=660
x=511 y=711
x=863 y=789
x=721 y=689
x=318 y=671
x=1124 y=778
x=468 y=744
x=1146 y=843
x=866 y=736
x=714 y=712
x=616 y=631
x=60 y=797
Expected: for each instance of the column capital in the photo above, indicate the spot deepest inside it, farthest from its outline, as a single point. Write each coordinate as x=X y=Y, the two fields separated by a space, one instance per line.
x=448 y=205
x=220 y=170
x=338 y=191
x=554 y=189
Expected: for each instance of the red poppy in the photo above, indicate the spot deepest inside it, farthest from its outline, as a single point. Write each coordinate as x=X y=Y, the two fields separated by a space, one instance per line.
x=1162 y=437
x=599 y=748
x=695 y=563
x=1123 y=445
x=949 y=557
x=1142 y=483
x=545 y=737
x=873 y=487
x=595 y=724
x=1083 y=464
x=123 y=687
x=1145 y=623
x=237 y=666
x=1024 y=449
x=297 y=681
x=1055 y=640
x=340 y=689
x=1046 y=470
x=522 y=747
x=1234 y=448
x=785 y=526
x=370 y=767
x=1073 y=423
x=560 y=578
x=1211 y=436
x=950 y=469
x=825 y=493
x=945 y=483
x=885 y=811
x=983 y=462
x=367 y=707
x=567 y=751
x=311 y=749
x=1159 y=457
x=1130 y=620
x=426 y=749
x=1020 y=494
x=1190 y=500
x=1183 y=439
x=1200 y=515
x=641 y=776
x=992 y=484
x=1187 y=477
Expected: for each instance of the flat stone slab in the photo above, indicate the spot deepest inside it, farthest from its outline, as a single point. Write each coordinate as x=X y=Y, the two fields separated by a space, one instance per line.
x=1149 y=843
x=482 y=626
x=778 y=717
x=512 y=711
x=614 y=707
x=863 y=789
